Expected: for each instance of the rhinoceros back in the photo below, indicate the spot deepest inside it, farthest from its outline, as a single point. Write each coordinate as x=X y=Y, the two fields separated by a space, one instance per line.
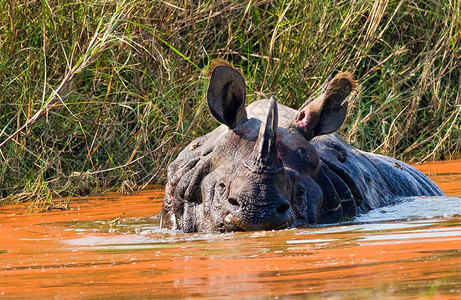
x=376 y=179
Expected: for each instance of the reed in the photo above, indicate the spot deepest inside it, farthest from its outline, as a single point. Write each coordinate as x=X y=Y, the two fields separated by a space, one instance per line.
x=103 y=95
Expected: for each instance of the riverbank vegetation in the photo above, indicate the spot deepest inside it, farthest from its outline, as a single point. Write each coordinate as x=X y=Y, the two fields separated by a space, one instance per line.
x=99 y=95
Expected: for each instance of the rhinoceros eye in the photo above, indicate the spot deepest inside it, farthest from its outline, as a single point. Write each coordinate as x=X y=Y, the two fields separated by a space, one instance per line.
x=300 y=191
x=222 y=187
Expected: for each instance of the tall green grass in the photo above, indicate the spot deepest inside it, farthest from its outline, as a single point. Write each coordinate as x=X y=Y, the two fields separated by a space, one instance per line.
x=105 y=94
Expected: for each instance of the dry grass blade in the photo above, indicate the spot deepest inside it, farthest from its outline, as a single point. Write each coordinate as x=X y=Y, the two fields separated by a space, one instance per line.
x=98 y=43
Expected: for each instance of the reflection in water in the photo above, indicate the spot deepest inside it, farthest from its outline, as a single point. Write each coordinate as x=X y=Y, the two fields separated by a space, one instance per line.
x=414 y=208
x=114 y=247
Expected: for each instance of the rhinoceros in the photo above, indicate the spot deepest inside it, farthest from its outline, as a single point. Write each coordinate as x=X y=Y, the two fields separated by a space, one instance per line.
x=269 y=166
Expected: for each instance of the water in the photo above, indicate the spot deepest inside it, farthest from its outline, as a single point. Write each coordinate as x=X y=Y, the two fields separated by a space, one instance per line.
x=112 y=247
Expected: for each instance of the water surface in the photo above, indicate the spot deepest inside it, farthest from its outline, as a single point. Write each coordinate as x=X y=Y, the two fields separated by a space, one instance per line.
x=113 y=247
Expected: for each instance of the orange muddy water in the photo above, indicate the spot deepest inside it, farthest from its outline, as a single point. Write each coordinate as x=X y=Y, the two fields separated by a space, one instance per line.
x=112 y=247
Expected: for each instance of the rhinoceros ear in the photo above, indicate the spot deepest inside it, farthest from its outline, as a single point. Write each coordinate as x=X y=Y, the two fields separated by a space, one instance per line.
x=226 y=95
x=326 y=113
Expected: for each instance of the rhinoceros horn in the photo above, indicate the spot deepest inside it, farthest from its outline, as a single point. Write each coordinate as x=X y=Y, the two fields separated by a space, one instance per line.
x=264 y=156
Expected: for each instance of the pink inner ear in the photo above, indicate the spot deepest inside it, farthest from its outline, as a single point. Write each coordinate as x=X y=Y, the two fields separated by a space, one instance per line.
x=302 y=115
x=301 y=119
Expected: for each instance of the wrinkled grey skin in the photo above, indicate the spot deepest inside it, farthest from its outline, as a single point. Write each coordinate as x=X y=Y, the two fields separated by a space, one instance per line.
x=269 y=166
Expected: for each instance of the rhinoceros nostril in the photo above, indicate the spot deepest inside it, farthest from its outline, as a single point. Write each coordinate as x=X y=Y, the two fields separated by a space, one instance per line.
x=283 y=207
x=233 y=202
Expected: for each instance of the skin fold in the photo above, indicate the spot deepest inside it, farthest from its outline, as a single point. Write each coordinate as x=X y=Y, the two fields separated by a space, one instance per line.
x=270 y=167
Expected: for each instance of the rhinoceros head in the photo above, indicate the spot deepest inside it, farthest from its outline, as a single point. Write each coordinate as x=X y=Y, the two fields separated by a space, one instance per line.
x=233 y=178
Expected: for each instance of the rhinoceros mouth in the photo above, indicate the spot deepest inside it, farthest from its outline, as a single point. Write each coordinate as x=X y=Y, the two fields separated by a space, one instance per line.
x=283 y=226
x=231 y=224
